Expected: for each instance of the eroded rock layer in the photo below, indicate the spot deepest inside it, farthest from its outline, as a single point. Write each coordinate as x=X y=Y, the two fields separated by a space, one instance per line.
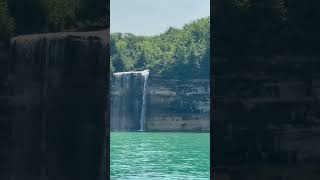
x=178 y=104
x=266 y=117
x=171 y=104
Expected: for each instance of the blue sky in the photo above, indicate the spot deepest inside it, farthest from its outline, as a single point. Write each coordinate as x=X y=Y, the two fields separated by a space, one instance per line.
x=150 y=17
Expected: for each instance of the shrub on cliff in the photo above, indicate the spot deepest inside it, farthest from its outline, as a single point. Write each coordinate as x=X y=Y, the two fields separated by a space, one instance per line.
x=7 y=24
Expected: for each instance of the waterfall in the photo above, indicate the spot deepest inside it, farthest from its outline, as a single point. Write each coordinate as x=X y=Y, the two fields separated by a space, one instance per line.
x=128 y=101
x=64 y=76
x=145 y=75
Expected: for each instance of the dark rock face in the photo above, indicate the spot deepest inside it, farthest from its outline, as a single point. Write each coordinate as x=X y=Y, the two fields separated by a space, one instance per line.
x=266 y=117
x=59 y=101
x=126 y=102
x=5 y=123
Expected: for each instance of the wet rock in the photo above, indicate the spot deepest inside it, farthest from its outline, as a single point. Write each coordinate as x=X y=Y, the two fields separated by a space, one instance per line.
x=58 y=85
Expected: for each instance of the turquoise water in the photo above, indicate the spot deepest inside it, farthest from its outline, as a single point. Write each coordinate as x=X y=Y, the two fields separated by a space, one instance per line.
x=159 y=156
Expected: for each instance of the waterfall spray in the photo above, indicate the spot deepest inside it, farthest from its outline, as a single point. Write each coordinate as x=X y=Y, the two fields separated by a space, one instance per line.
x=145 y=75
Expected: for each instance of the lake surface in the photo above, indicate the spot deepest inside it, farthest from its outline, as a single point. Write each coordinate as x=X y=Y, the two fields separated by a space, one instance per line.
x=159 y=156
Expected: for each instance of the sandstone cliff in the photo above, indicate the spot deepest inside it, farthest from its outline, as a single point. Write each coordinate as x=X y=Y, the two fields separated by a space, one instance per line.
x=171 y=104
x=178 y=105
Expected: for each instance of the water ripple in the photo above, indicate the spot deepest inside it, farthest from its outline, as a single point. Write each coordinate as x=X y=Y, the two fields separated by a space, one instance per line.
x=152 y=156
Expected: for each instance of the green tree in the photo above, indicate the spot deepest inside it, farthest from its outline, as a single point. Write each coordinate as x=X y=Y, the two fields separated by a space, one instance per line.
x=141 y=62
x=7 y=24
x=111 y=67
x=117 y=63
x=62 y=13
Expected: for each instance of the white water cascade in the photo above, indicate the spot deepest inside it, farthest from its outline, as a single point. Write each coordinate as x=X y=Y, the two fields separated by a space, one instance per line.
x=145 y=75
x=128 y=101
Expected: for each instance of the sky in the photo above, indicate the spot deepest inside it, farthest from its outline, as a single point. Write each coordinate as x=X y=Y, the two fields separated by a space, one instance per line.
x=151 y=17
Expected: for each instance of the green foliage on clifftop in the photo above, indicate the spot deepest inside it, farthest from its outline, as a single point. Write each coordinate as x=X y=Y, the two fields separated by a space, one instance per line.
x=43 y=16
x=7 y=24
x=267 y=27
x=177 y=52
x=62 y=12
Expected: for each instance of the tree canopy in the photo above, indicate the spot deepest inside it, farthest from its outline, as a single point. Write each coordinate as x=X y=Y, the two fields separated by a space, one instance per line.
x=265 y=26
x=7 y=24
x=177 y=52
x=41 y=16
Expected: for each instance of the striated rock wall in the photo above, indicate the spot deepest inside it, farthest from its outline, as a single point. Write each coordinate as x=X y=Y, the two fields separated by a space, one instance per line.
x=266 y=117
x=171 y=104
x=58 y=85
x=178 y=105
